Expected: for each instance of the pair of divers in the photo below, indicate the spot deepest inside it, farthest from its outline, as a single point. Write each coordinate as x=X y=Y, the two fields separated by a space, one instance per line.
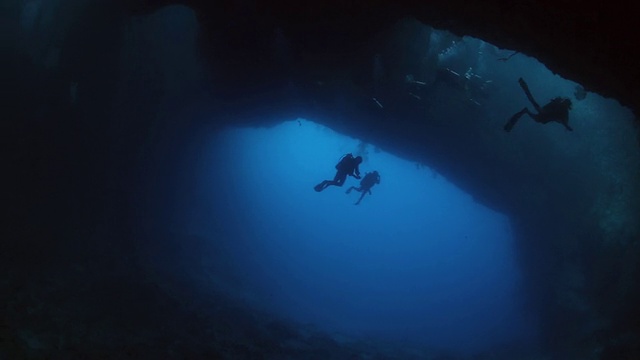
x=557 y=110
x=350 y=166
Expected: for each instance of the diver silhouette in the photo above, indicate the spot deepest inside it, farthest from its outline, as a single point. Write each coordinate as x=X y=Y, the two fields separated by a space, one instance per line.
x=367 y=182
x=348 y=165
x=556 y=110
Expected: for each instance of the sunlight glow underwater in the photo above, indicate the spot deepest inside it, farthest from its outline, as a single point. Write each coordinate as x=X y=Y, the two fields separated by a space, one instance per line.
x=418 y=261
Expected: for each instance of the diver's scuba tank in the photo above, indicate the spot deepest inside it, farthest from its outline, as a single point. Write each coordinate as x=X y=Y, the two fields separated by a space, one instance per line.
x=343 y=159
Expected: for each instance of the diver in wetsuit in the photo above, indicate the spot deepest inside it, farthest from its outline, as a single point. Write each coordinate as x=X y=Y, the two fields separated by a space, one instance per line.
x=369 y=180
x=348 y=165
x=557 y=110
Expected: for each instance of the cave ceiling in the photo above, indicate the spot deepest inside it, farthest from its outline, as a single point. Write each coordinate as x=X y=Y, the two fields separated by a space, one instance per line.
x=590 y=43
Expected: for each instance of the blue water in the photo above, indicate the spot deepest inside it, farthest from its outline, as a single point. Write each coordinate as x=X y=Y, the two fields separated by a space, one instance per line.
x=417 y=262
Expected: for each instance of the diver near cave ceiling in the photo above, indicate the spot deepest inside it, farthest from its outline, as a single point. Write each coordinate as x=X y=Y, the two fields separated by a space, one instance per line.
x=367 y=182
x=348 y=165
x=556 y=110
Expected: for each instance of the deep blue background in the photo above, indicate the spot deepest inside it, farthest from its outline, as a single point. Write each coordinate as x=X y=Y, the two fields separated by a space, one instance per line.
x=418 y=261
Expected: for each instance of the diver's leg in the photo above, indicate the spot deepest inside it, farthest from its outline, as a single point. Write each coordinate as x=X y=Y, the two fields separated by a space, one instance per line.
x=527 y=92
x=321 y=186
x=339 y=179
x=514 y=119
x=364 y=191
x=328 y=183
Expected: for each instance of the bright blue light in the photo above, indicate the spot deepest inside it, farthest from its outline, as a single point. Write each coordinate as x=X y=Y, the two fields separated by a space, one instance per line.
x=417 y=261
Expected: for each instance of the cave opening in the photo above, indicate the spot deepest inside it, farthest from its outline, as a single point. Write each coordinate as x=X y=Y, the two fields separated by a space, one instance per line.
x=417 y=262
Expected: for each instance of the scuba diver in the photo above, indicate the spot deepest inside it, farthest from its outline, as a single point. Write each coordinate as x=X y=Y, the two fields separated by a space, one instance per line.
x=348 y=165
x=367 y=182
x=556 y=110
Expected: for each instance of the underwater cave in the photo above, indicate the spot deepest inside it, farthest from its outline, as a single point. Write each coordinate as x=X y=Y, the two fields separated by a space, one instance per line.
x=163 y=156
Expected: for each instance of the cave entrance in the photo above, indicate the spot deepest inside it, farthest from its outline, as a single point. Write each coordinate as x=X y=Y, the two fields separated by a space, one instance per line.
x=417 y=261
